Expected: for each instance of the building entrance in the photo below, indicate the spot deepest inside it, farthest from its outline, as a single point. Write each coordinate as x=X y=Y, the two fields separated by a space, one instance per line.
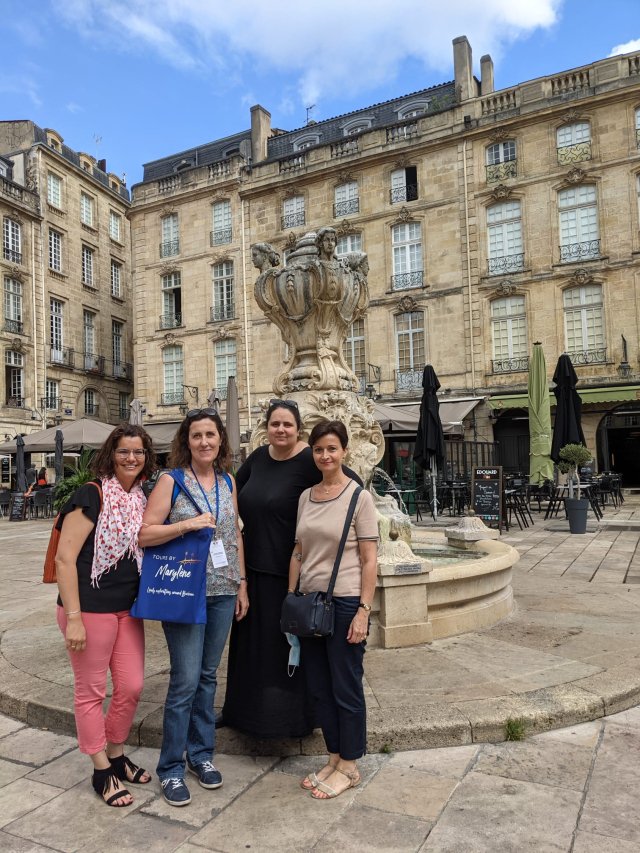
x=618 y=440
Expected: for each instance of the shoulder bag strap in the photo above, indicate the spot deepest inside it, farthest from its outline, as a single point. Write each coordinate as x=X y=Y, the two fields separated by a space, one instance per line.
x=345 y=533
x=178 y=478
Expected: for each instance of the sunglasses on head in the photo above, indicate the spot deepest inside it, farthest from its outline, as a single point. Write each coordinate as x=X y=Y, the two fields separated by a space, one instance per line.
x=291 y=404
x=192 y=413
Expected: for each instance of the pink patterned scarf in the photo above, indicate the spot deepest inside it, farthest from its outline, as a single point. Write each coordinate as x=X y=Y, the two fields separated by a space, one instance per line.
x=117 y=527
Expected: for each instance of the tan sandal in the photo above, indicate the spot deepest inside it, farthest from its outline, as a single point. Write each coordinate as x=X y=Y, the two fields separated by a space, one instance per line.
x=313 y=780
x=354 y=780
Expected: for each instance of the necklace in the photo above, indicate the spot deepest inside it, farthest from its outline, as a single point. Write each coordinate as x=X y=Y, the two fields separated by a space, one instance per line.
x=326 y=489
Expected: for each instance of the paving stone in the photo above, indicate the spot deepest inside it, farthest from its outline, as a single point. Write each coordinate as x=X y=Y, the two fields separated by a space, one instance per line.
x=8 y=726
x=546 y=762
x=64 y=772
x=10 y=770
x=35 y=746
x=362 y=828
x=140 y=833
x=408 y=792
x=301 y=765
x=584 y=734
x=22 y=796
x=588 y=842
x=12 y=844
x=451 y=763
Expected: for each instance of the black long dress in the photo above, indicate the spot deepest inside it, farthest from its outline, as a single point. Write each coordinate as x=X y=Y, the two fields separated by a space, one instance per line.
x=262 y=700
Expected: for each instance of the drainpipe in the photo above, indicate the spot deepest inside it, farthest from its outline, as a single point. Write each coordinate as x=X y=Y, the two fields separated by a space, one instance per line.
x=245 y=319
x=35 y=267
x=469 y=292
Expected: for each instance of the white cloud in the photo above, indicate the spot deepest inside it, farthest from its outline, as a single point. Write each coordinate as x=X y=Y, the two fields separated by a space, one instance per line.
x=627 y=47
x=334 y=44
x=21 y=84
x=72 y=107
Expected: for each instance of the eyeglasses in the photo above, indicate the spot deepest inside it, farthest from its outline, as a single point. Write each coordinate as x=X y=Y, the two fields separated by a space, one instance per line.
x=192 y=413
x=291 y=404
x=125 y=454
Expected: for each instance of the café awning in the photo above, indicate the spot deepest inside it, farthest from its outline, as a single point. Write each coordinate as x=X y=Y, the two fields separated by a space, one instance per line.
x=610 y=394
x=405 y=418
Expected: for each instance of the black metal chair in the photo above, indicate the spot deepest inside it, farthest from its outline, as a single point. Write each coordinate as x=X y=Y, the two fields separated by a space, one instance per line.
x=40 y=504
x=5 y=500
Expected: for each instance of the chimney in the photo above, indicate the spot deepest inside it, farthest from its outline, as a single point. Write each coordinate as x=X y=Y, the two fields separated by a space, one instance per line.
x=260 y=132
x=486 y=75
x=465 y=85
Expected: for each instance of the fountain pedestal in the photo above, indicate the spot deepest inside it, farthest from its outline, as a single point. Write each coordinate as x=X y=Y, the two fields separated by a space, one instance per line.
x=403 y=614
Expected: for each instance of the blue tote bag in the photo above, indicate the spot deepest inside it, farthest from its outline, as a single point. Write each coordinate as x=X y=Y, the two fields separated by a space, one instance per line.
x=173 y=579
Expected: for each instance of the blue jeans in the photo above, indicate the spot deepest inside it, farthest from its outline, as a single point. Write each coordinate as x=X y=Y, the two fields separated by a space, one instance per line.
x=189 y=719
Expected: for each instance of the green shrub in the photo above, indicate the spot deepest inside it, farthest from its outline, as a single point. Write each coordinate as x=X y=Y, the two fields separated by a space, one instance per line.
x=75 y=476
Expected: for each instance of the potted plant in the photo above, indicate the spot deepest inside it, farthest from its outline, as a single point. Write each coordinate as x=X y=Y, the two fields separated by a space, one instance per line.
x=572 y=456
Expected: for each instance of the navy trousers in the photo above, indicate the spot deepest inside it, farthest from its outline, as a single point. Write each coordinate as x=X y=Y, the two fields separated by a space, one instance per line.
x=333 y=671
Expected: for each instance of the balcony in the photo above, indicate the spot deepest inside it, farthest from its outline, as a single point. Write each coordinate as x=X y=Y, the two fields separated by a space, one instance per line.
x=343 y=149
x=15 y=402
x=402 y=131
x=293 y=164
x=406 y=280
x=223 y=312
x=219 y=169
x=220 y=236
x=409 y=380
x=405 y=193
x=292 y=220
x=167 y=185
x=62 y=357
x=506 y=264
x=589 y=356
x=584 y=251
x=122 y=370
x=94 y=363
x=172 y=398
x=510 y=365
x=501 y=171
x=13 y=256
x=170 y=321
x=577 y=153
x=50 y=404
x=14 y=327
x=344 y=208
x=169 y=248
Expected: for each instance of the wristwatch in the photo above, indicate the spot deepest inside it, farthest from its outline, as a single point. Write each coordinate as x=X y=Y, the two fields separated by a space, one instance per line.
x=365 y=607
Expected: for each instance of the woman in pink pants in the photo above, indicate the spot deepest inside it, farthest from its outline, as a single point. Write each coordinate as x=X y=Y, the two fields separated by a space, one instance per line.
x=97 y=566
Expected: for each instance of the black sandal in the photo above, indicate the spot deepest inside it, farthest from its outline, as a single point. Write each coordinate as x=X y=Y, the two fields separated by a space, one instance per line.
x=120 y=764
x=102 y=780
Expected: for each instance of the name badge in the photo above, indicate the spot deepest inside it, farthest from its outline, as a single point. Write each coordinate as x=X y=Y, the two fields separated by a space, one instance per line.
x=218 y=554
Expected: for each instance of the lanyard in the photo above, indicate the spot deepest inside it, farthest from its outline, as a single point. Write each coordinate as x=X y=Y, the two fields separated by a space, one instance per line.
x=204 y=495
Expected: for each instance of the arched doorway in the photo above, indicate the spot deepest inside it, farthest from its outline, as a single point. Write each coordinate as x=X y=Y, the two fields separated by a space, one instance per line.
x=511 y=431
x=618 y=443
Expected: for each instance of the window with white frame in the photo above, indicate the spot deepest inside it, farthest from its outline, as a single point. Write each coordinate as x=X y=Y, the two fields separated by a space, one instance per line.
x=509 y=334
x=225 y=357
x=54 y=190
x=504 y=238
x=89 y=339
x=90 y=402
x=346 y=199
x=413 y=109
x=170 y=244
x=13 y=306
x=87 y=267
x=409 y=332
x=11 y=240
x=116 y=279
x=55 y=250
x=56 y=330
x=173 y=373
x=171 y=316
x=584 y=324
x=222 y=228
x=293 y=211
x=353 y=348
x=404 y=184
x=406 y=241
x=14 y=378
x=117 y=348
x=573 y=142
x=348 y=243
x=223 y=301
x=52 y=395
x=308 y=141
x=579 y=232
x=123 y=406
x=86 y=209
x=355 y=126
x=501 y=160
x=115 y=226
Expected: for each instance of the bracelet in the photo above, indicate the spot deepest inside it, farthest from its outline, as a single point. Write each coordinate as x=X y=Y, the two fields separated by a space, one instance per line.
x=72 y=612
x=243 y=578
x=180 y=530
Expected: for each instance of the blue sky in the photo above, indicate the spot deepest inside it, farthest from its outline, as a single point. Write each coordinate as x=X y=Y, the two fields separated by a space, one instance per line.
x=134 y=81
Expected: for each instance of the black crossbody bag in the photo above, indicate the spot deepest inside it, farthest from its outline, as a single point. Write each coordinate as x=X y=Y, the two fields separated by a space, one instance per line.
x=312 y=614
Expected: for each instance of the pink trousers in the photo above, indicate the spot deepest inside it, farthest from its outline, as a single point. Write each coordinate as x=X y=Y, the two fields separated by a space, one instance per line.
x=115 y=641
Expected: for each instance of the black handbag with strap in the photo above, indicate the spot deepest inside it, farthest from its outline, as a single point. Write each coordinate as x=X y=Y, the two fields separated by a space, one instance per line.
x=312 y=614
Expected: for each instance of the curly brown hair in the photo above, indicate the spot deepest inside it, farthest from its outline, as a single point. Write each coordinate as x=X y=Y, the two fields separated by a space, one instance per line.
x=102 y=463
x=180 y=455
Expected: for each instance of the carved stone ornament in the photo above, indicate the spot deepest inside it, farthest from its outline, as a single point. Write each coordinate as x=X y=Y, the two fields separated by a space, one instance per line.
x=17 y=345
x=506 y=288
x=576 y=176
x=581 y=277
x=170 y=337
x=218 y=196
x=499 y=134
x=31 y=174
x=168 y=268
x=223 y=333
x=290 y=191
x=344 y=178
x=166 y=211
x=220 y=258
x=16 y=273
x=407 y=303
x=401 y=162
x=404 y=215
x=292 y=239
x=570 y=115
x=345 y=228
x=500 y=192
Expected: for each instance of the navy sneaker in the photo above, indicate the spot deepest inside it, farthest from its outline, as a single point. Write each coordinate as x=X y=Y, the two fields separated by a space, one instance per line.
x=175 y=792
x=207 y=774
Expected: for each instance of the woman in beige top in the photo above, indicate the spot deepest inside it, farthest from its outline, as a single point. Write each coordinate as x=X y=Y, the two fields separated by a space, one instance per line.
x=333 y=666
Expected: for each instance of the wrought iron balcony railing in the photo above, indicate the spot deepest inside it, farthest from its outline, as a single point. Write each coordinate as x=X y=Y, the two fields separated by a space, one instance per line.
x=584 y=251
x=506 y=264
x=223 y=312
x=293 y=220
x=15 y=402
x=14 y=327
x=510 y=365
x=123 y=414
x=220 y=236
x=169 y=248
x=63 y=357
x=409 y=380
x=91 y=409
x=405 y=280
x=50 y=404
x=409 y=192
x=589 y=356
x=344 y=208
x=172 y=398
x=13 y=256
x=122 y=370
x=501 y=171
x=568 y=154
x=94 y=363
x=170 y=321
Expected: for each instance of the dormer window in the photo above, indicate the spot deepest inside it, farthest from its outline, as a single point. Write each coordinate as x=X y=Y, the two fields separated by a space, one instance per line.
x=182 y=165
x=304 y=142
x=357 y=125
x=413 y=109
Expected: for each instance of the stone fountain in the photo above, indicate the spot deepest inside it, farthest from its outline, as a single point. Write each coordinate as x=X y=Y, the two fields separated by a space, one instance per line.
x=313 y=300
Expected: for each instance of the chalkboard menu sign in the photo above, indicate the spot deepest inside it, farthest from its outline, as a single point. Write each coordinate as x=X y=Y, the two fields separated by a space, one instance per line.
x=17 y=507
x=487 y=495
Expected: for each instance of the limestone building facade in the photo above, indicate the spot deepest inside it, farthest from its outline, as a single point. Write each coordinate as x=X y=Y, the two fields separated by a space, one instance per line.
x=492 y=219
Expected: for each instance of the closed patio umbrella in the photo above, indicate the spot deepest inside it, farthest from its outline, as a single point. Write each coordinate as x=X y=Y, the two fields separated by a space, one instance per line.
x=540 y=464
x=21 y=475
x=567 y=427
x=233 y=419
x=136 y=412
x=59 y=456
x=429 y=448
